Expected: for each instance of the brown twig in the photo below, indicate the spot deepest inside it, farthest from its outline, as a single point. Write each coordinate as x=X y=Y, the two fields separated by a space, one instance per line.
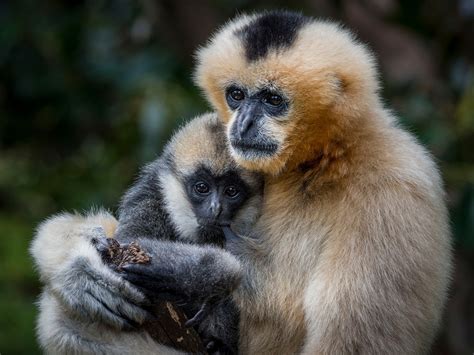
x=168 y=326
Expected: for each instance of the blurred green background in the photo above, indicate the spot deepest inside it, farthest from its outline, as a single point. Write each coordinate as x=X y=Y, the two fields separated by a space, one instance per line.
x=90 y=90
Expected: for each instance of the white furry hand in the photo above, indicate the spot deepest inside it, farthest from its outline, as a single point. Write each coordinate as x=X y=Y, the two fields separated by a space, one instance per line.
x=73 y=272
x=88 y=290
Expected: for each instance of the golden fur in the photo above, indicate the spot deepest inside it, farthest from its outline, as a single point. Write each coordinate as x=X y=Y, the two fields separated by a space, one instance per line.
x=191 y=144
x=354 y=227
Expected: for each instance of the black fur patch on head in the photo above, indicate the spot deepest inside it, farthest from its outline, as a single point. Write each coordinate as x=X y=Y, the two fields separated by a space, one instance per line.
x=271 y=30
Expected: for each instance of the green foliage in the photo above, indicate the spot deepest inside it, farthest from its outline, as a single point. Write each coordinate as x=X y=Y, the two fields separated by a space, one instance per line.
x=19 y=288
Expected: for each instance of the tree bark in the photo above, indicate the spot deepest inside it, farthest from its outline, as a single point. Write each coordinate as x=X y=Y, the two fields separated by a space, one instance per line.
x=168 y=326
x=168 y=329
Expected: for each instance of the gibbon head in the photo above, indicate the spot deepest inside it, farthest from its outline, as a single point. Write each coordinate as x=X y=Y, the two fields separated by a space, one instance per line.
x=203 y=184
x=285 y=85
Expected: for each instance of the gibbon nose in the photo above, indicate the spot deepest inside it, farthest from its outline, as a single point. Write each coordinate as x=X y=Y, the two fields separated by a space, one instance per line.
x=246 y=123
x=216 y=209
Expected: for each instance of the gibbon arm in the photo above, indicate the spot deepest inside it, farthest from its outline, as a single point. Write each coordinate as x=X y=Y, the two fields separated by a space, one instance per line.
x=81 y=292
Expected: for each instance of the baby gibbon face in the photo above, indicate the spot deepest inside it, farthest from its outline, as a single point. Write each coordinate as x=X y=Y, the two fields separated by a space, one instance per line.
x=202 y=185
x=215 y=199
x=282 y=83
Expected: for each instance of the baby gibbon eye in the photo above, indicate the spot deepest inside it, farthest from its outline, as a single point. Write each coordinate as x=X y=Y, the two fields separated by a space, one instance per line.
x=237 y=94
x=201 y=188
x=231 y=191
x=273 y=99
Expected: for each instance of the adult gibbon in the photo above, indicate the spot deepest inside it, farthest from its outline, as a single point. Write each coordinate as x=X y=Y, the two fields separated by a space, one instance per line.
x=353 y=222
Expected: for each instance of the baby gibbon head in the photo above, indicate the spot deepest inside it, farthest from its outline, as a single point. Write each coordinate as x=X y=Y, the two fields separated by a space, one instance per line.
x=202 y=185
x=286 y=85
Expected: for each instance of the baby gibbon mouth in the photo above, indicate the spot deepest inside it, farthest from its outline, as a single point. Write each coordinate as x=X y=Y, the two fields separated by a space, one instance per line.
x=245 y=147
x=209 y=223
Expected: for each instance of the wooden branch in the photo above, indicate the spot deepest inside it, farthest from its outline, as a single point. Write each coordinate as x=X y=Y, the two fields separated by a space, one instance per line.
x=168 y=326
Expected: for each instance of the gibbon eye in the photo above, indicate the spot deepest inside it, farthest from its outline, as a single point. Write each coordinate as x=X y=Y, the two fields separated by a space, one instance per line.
x=201 y=188
x=231 y=191
x=237 y=94
x=273 y=99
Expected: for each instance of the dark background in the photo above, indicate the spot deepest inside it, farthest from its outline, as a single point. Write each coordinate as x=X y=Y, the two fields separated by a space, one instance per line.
x=90 y=90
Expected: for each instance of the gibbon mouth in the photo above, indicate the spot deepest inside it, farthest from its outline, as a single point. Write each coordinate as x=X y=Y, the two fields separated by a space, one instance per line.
x=209 y=223
x=251 y=147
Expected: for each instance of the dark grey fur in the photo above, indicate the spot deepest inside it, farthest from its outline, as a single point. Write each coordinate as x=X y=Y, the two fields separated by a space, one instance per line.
x=142 y=212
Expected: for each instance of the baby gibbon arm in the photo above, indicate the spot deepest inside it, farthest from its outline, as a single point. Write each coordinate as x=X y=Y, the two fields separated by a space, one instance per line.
x=73 y=272
x=184 y=272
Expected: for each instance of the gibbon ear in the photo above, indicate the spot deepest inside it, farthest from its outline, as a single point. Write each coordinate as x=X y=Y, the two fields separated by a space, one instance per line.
x=332 y=87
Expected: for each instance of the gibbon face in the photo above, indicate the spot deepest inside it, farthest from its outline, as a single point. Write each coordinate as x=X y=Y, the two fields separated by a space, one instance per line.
x=282 y=83
x=203 y=184
x=215 y=199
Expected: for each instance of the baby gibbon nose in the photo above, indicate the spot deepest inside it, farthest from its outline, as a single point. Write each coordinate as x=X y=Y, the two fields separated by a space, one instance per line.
x=215 y=208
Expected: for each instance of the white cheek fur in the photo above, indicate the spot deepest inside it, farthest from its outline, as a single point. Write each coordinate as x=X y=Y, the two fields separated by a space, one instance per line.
x=181 y=212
